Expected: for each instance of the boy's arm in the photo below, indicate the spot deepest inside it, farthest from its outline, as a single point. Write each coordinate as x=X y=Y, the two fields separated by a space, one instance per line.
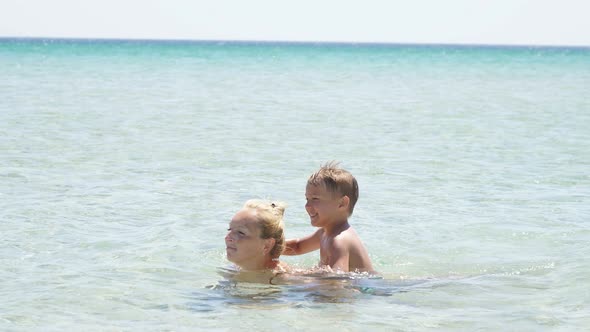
x=303 y=245
x=339 y=257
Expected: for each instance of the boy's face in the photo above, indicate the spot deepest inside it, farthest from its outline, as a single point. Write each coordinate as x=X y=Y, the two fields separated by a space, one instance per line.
x=322 y=205
x=243 y=243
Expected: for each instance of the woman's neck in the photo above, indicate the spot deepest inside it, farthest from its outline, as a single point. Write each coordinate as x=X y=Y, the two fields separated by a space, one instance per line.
x=266 y=264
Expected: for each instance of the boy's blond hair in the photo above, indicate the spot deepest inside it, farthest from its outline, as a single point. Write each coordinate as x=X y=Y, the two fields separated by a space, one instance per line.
x=337 y=181
x=270 y=221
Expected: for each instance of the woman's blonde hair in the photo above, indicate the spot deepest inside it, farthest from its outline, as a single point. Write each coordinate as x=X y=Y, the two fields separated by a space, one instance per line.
x=270 y=220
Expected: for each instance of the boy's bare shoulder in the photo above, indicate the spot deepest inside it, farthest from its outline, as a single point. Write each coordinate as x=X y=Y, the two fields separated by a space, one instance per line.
x=346 y=239
x=348 y=234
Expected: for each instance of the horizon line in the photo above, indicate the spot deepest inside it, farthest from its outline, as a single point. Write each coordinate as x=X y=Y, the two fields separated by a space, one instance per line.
x=292 y=42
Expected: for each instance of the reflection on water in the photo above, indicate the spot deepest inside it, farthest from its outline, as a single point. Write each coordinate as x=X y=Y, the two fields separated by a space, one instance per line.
x=299 y=289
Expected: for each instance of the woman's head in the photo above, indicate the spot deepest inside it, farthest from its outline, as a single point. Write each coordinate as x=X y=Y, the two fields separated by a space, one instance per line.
x=255 y=236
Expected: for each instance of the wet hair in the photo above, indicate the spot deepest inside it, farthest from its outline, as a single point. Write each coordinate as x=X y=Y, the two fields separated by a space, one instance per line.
x=337 y=181
x=270 y=222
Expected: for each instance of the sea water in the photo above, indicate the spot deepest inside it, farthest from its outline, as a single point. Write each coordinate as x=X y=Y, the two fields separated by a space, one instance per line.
x=122 y=162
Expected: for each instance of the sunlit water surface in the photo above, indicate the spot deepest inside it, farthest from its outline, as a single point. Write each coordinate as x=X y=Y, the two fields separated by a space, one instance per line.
x=121 y=164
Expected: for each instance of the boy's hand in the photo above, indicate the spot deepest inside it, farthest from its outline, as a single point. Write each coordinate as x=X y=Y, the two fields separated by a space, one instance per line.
x=291 y=247
x=303 y=245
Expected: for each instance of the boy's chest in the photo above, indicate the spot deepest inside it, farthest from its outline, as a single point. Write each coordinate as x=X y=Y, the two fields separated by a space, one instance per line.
x=326 y=244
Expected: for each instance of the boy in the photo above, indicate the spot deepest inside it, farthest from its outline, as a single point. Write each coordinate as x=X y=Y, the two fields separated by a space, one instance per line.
x=331 y=194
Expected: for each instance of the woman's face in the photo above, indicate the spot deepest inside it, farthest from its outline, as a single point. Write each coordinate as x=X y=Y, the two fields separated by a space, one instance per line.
x=244 y=247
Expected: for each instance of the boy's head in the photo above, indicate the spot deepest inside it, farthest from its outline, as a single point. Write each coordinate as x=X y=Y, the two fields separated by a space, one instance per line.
x=337 y=181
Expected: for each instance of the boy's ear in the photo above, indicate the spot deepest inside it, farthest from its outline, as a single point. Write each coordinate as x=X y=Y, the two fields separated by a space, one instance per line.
x=344 y=201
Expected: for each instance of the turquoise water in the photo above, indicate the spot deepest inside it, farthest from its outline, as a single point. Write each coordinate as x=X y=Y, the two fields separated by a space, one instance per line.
x=121 y=164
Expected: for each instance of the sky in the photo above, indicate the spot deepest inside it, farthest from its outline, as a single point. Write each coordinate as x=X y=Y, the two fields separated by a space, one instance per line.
x=503 y=22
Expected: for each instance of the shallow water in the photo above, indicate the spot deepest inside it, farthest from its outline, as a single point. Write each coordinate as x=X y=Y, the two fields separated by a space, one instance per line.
x=122 y=163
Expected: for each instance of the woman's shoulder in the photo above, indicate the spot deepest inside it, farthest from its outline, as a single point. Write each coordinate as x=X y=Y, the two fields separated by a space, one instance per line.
x=282 y=267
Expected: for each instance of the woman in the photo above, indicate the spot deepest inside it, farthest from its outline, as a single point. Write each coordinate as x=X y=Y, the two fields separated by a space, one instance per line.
x=255 y=238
